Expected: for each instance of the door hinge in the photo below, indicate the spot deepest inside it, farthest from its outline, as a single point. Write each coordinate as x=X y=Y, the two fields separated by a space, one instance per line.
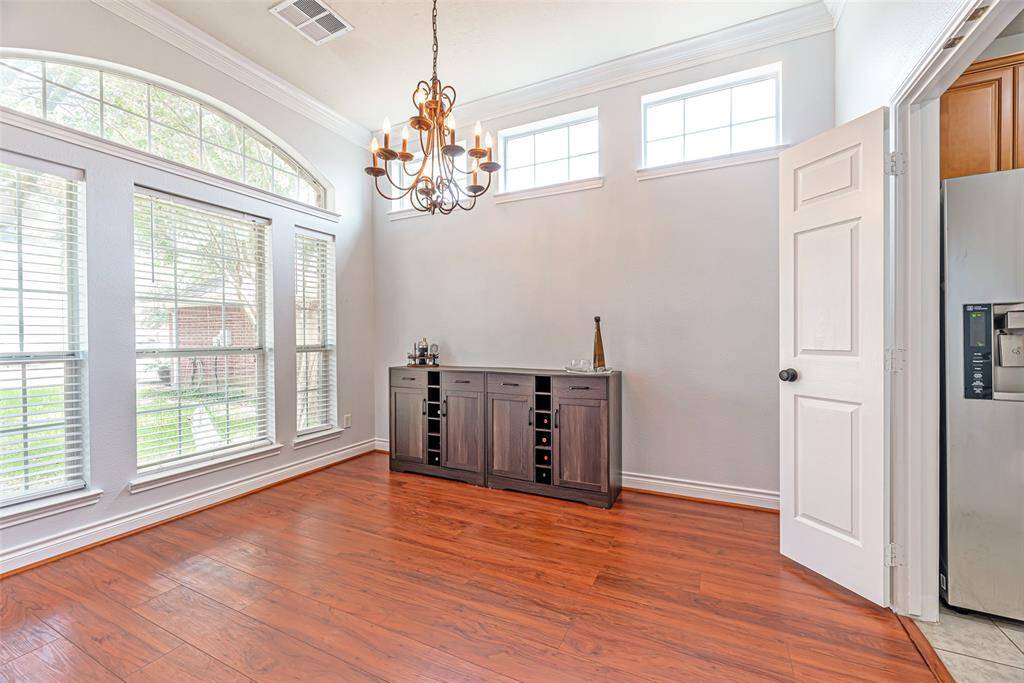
x=892 y=556
x=897 y=164
x=895 y=360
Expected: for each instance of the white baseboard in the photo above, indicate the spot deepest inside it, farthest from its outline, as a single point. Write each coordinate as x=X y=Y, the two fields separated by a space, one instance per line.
x=382 y=445
x=66 y=541
x=724 y=493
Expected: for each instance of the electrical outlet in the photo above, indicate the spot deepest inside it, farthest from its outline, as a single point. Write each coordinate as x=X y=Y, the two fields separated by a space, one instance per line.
x=346 y=420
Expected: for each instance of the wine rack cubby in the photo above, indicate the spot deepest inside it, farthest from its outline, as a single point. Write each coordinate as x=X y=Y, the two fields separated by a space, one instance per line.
x=434 y=418
x=542 y=430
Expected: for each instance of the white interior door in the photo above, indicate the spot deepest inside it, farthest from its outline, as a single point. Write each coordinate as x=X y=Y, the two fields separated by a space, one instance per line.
x=834 y=505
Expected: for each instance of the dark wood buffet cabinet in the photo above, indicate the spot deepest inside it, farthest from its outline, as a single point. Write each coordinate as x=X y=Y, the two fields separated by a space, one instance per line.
x=547 y=432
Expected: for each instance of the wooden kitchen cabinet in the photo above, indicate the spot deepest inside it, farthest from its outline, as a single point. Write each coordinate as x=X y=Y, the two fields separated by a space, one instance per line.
x=981 y=119
x=545 y=432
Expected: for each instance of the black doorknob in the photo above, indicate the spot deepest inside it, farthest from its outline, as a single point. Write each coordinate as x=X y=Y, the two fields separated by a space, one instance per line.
x=788 y=375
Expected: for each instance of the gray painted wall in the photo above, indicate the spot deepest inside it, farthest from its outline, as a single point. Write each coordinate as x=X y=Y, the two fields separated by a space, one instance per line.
x=682 y=269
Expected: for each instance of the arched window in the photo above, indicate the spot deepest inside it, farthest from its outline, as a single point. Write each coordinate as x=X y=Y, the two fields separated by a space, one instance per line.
x=154 y=119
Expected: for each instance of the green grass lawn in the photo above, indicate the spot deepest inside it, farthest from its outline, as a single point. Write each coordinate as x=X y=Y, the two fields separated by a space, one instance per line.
x=43 y=448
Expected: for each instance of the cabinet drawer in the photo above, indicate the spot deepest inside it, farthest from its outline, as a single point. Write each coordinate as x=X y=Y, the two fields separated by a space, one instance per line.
x=580 y=387
x=464 y=381
x=408 y=378
x=520 y=385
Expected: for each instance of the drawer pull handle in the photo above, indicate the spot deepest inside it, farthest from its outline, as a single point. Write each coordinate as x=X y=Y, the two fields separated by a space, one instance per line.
x=462 y=381
x=444 y=408
x=409 y=379
x=580 y=388
x=424 y=406
x=556 y=417
x=529 y=417
x=510 y=384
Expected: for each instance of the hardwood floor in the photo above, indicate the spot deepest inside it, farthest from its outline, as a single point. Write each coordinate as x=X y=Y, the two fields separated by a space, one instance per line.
x=354 y=573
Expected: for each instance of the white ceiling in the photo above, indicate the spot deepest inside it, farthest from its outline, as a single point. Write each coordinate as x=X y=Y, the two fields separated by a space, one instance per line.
x=486 y=46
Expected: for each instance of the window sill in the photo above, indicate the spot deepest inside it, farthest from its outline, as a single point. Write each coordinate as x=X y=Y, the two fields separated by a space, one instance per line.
x=549 y=190
x=45 y=507
x=401 y=214
x=173 y=476
x=710 y=163
x=313 y=438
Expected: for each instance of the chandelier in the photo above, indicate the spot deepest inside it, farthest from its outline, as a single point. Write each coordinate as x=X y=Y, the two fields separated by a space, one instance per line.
x=432 y=185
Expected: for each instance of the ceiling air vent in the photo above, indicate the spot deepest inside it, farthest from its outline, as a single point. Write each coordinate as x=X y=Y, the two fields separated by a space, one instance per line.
x=313 y=19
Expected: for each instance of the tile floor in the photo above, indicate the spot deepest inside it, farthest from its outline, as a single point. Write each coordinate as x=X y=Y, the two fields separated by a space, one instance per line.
x=976 y=648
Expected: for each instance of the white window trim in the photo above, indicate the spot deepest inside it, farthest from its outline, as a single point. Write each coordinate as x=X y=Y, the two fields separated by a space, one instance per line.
x=543 y=126
x=402 y=214
x=116 y=149
x=716 y=84
x=32 y=510
x=710 y=163
x=173 y=475
x=549 y=190
x=317 y=436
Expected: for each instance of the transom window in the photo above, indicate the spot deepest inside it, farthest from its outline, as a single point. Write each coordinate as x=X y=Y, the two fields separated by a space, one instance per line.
x=42 y=332
x=555 y=150
x=201 y=318
x=727 y=115
x=153 y=119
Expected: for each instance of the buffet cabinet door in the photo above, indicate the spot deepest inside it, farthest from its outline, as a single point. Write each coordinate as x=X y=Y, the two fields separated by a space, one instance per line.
x=510 y=435
x=409 y=424
x=462 y=430
x=580 y=443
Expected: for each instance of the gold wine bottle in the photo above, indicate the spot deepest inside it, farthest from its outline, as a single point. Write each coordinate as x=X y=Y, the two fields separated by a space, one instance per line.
x=598 y=345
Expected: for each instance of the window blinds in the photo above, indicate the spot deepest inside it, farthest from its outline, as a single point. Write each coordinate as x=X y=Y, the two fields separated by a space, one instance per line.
x=42 y=334
x=201 y=318
x=314 y=332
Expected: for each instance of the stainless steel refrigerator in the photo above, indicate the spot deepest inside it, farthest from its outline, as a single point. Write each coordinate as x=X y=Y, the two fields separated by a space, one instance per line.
x=982 y=473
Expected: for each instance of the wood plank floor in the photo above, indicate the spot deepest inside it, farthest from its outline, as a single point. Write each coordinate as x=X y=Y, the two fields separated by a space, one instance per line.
x=353 y=573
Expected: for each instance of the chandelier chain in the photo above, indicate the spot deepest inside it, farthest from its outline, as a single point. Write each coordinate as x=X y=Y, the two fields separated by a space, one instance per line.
x=434 y=21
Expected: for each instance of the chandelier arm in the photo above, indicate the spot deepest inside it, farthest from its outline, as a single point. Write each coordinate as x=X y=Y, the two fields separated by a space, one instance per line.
x=397 y=186
x=389 y=198
x=474 y=167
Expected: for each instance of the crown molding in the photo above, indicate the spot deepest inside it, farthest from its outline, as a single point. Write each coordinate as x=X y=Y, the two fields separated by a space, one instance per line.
x=174 y=30
x=835 y=8
x=782 y=27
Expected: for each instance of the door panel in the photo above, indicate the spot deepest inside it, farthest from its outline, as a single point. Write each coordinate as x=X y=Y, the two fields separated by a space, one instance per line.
x=580 y=444
x=510 y=435
x=462 y=430
x=834 y=511
x=408 y=424
x=976 y=124
x=1018 y=160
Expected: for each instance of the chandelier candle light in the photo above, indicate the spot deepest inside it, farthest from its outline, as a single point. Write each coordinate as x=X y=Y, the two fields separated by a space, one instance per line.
x=433 y=187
